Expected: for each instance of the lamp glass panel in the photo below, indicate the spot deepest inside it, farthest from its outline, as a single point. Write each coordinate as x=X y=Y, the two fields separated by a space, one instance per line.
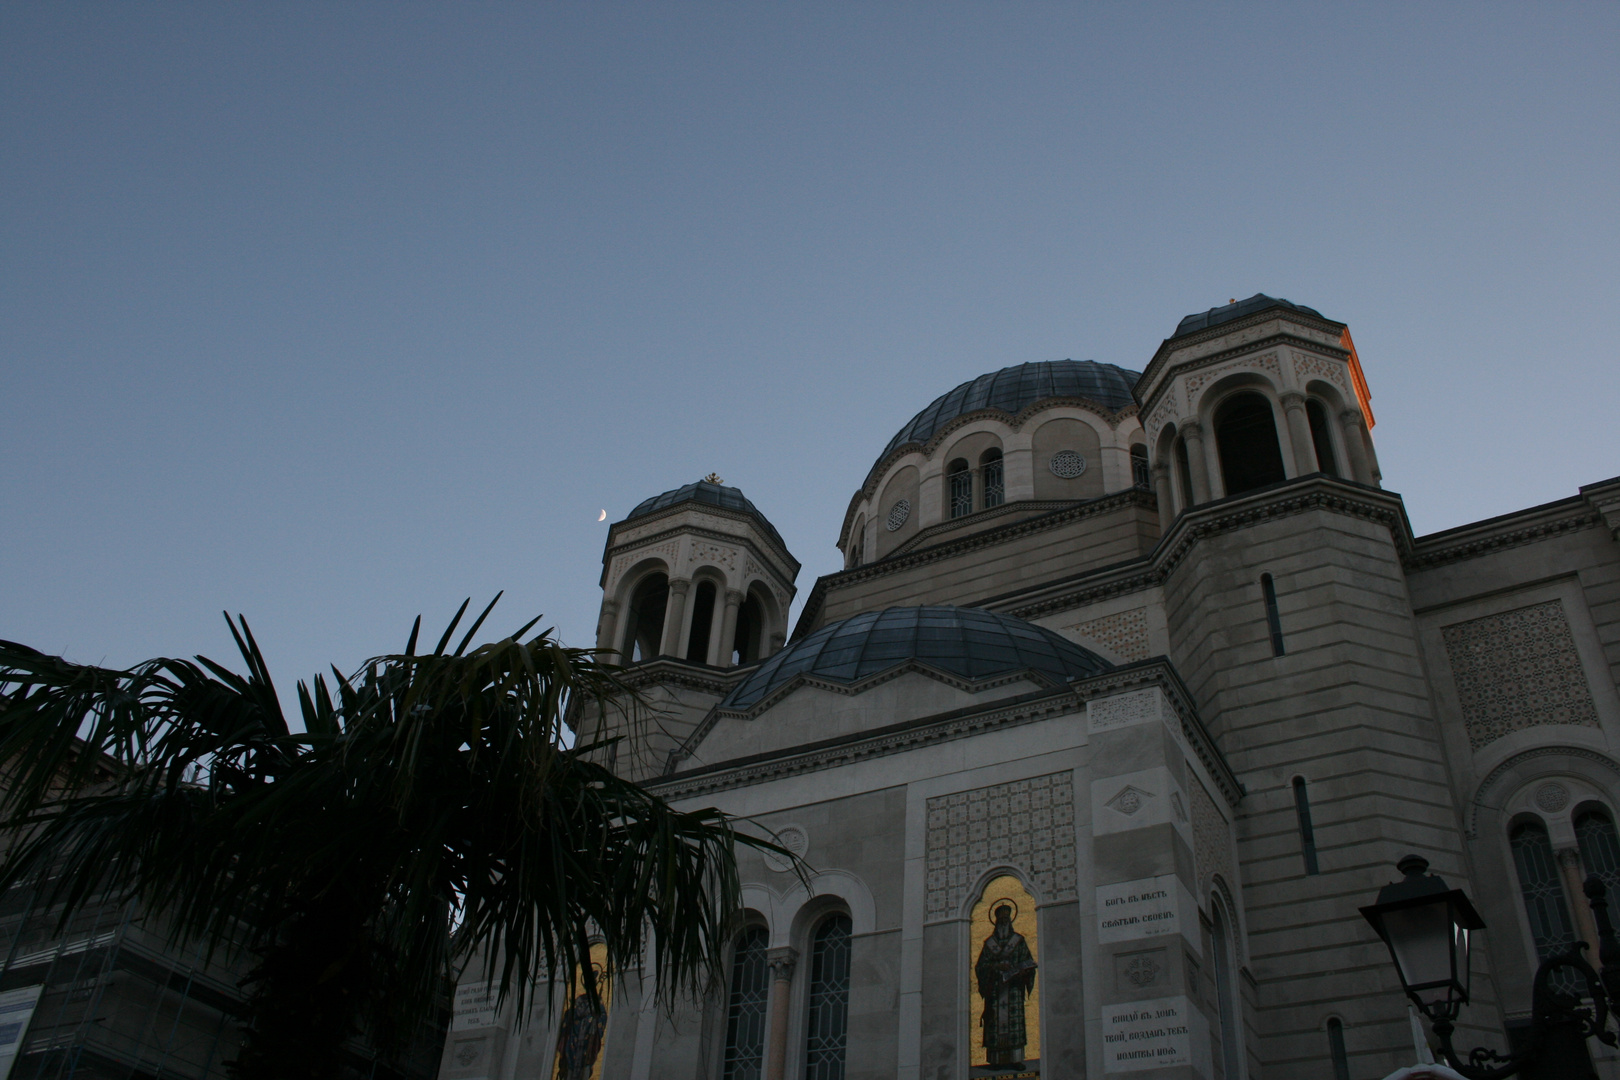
x=1421 y=939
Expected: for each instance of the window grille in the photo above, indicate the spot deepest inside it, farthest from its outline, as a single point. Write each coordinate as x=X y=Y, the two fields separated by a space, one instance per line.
x=1341 y=1060
x=1141 y=475
x=995 y=491
x=745 y=1015
x=1307 y=833
x=1600 y=848
x=961 y=493
x=1544 y=901
x=827 y=1028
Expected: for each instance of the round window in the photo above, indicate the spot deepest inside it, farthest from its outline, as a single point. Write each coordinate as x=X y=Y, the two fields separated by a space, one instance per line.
x=1067 y=464
x=898 y=513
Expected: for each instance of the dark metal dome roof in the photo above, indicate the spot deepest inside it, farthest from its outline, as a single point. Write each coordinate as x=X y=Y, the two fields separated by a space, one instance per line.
x=726 y=498
x=969 y=642
x=1014 y=389
x=1215 y=316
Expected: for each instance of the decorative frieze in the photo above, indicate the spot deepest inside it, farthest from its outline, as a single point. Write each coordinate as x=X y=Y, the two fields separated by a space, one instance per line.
x=1028 y=824
x=1198 y=380
x=1124 y=633
x=1518 y=669
x=1306 y=365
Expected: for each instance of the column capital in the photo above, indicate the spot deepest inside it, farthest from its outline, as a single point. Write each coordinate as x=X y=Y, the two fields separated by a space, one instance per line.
x=735 y=597
x=1568 y=856
x=1161 y=469
x=1190 y=429
x=610 y=607
x=1292 y=399
x=1351 y=417
x=782 y=961
x=679 y=585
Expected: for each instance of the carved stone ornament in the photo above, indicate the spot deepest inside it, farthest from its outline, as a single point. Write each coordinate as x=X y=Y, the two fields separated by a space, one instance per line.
x=1129 y=800
x=1067 y=464
x=795 y=840
x=1551 y=797
x=898 y=513
x=1142 y=971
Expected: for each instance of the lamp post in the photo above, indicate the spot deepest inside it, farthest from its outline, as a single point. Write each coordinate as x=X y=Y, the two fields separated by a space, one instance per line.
x=1429 y=927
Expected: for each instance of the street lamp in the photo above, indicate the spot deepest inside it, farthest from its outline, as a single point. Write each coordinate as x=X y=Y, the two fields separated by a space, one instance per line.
x=1428 y=928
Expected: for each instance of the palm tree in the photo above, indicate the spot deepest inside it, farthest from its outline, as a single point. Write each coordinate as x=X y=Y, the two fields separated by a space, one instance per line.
x=429 y=810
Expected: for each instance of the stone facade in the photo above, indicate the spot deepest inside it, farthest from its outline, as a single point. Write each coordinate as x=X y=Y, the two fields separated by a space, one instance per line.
x=1286 y=691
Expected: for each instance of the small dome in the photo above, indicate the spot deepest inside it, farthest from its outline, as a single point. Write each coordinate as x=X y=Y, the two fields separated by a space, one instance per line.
x=969 y=642
x=1014 y=389
x=1215 y=316
x=726 y=498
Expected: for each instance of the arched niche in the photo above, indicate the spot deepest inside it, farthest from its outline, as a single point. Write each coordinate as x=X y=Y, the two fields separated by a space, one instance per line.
x=1056 y=476
x=856 y=544
x=898 y=512
x=646 y=599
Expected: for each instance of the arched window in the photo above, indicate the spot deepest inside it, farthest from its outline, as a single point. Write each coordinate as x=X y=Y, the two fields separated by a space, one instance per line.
x=827 y=1024
x=1307 y=831
x=1600 y=848
x=1321 y=439
x=959 y=481
x=857 y=543
x=1268 y=591
x=1183 y=473
x=1336 y=1051
x=1141 y=475
x=745 y=1012
x=1222 y=947
x=697 y=643
x=995 y=487
x=1246 y=435
x=750 y=626
x=1544 y=902
x=645 y=630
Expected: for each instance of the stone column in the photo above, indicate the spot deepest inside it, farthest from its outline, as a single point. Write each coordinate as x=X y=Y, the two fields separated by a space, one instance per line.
x=728 y=628
x=781 y=961
x=1161 y=488
x=674 y=616
x=1569 y=868
x=1355 y=446
x=607 y=626
x=1299 y=433
x=1192 y=433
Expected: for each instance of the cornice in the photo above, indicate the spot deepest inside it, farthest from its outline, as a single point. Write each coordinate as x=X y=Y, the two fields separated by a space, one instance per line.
x=650 y=539
x=958 y=724
x=611 y=548
x=668 y=671
x=1279 y=339
x=917 y=667
x=1508 y=531
x=895 y=563
x=1174 y=344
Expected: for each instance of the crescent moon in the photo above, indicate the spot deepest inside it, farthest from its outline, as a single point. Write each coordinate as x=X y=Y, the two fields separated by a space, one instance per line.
x=602 y=516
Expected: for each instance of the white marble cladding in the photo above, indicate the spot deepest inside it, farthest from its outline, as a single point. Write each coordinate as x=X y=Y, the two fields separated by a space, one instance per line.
x=1028 y=824
x=1152 y=1034
x=1146 y=908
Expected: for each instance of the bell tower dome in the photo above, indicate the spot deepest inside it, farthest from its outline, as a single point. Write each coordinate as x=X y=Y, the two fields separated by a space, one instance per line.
x=696 y=574
x=1253 y=393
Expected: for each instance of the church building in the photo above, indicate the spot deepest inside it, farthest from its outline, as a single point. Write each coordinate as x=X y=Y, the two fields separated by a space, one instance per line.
x=1134 y=687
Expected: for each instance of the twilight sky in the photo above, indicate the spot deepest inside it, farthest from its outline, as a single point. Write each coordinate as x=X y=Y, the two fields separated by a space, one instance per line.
x=336 y=314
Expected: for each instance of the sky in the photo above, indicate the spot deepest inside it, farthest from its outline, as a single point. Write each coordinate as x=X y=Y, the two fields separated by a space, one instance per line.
x=334 y=315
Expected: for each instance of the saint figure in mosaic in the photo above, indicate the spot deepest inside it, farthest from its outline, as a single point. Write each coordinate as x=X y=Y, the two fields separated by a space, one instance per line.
x=1006 y=975
x=579 y=1037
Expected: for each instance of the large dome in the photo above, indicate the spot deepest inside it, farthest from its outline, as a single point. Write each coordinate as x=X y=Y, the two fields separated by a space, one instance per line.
x=969 y=642
x=1014 y=389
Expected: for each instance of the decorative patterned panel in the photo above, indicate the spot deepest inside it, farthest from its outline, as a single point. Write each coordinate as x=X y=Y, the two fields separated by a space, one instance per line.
x=1306 y=365
x=1200 y=379
x=1212 y=841
x=1125 y=633
x=714 y=554
x=1025 y=823
x=1516 y=670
